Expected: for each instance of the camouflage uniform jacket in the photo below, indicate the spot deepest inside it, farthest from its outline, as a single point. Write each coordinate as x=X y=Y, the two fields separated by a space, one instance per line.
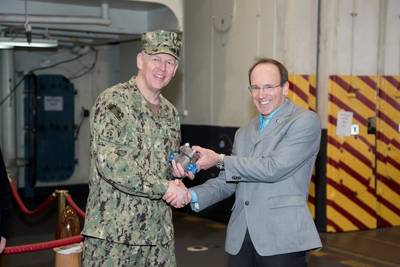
x=130 y=171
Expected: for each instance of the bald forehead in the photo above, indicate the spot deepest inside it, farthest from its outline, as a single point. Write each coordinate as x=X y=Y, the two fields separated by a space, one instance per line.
x=265 y=69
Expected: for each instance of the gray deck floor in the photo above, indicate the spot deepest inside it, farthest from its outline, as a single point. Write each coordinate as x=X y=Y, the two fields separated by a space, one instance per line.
x=200 y=242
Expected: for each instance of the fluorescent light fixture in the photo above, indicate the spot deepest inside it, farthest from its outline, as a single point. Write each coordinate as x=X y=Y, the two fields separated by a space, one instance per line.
x=5 y=46
x=21 y=42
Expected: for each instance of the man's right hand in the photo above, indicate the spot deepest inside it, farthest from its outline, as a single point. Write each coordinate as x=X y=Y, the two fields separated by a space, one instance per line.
x=177 y=194
x=208 y=158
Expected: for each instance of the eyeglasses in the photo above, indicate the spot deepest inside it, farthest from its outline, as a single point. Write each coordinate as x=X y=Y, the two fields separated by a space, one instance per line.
x=266 y=87
x=158 y=61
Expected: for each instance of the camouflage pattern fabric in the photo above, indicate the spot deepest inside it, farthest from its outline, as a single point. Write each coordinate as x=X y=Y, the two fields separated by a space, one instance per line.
x=162 y=42
x=104 y=253
x=129 y=168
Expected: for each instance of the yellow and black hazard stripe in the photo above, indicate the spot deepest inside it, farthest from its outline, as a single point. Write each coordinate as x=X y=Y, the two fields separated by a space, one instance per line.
x=388 y=151
x=351 y=197
x=362 y=170
x=363 y=187
x=302 y=91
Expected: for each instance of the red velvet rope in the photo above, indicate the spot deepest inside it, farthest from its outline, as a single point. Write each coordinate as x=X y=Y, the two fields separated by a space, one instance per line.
x=45 y=204
x=43 y=245
x=73 y=205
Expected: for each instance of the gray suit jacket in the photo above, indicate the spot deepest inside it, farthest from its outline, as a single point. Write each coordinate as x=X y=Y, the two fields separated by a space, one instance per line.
x=270 y=175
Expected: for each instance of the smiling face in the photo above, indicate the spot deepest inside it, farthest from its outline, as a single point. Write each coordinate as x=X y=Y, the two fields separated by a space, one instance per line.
x=268 y=93
x=156 y=71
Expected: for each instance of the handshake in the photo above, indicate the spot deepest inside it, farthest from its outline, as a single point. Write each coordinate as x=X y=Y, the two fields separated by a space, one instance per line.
x=177 y=194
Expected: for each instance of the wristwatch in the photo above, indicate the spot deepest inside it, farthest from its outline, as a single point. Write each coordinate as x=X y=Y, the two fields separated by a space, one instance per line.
x=220 y=164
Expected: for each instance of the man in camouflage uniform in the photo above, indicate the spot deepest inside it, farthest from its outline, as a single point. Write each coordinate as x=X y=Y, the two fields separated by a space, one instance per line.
x=133 y=129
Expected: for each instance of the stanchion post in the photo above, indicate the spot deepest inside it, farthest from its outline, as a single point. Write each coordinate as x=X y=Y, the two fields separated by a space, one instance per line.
x=68 y=255
x=61 y=201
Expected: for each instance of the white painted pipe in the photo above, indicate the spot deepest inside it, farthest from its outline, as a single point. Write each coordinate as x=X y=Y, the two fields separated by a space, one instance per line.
x=8 y=110
x=47 y=19
x=105 y=10
x=104 y=20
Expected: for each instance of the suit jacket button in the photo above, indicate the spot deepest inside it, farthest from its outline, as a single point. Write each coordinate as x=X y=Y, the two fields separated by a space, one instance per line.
x=247 y=202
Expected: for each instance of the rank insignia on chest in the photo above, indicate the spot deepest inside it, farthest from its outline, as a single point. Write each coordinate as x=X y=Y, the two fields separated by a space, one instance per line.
x=116 y=111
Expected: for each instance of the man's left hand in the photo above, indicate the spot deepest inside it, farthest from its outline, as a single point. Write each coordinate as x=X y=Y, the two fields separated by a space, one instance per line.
x=179 y=172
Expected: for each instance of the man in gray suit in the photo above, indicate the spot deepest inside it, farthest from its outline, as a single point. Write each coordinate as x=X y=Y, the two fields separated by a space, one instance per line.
x=269 y=172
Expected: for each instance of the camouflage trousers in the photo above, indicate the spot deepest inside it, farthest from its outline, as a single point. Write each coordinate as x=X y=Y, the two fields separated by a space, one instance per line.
x=105 y=253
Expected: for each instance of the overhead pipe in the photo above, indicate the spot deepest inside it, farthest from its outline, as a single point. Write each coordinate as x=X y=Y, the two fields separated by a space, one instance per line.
x=15 y=18
x=104 y=20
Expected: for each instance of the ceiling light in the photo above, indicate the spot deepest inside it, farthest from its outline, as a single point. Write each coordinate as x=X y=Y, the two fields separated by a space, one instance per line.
x=21 y=42
x=2 y=46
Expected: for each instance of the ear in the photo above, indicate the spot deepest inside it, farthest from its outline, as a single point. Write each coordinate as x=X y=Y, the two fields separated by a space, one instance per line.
x=285 y=89
x=139 y=60
x=176 y=68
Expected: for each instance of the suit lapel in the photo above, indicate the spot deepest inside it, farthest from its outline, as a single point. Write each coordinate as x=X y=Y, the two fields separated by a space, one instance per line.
x=253 y=130
x=281 y=116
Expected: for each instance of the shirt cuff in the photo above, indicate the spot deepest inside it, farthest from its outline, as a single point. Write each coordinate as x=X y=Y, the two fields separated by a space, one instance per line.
x=195 y=198
x=194 y=204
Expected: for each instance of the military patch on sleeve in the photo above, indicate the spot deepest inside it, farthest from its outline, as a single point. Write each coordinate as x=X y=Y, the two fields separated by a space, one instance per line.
x=116 y=111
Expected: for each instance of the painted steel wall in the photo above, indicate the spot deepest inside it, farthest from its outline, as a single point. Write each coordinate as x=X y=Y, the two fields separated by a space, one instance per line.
x=115 y=63
x=106 y=73
x=342 y=54
x=360 y=77
x=363 y=171
x=346 y=51
x=351 y=159
x=222 y=40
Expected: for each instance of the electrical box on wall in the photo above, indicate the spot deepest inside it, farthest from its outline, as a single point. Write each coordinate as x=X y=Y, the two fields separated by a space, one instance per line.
x=49 y=128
